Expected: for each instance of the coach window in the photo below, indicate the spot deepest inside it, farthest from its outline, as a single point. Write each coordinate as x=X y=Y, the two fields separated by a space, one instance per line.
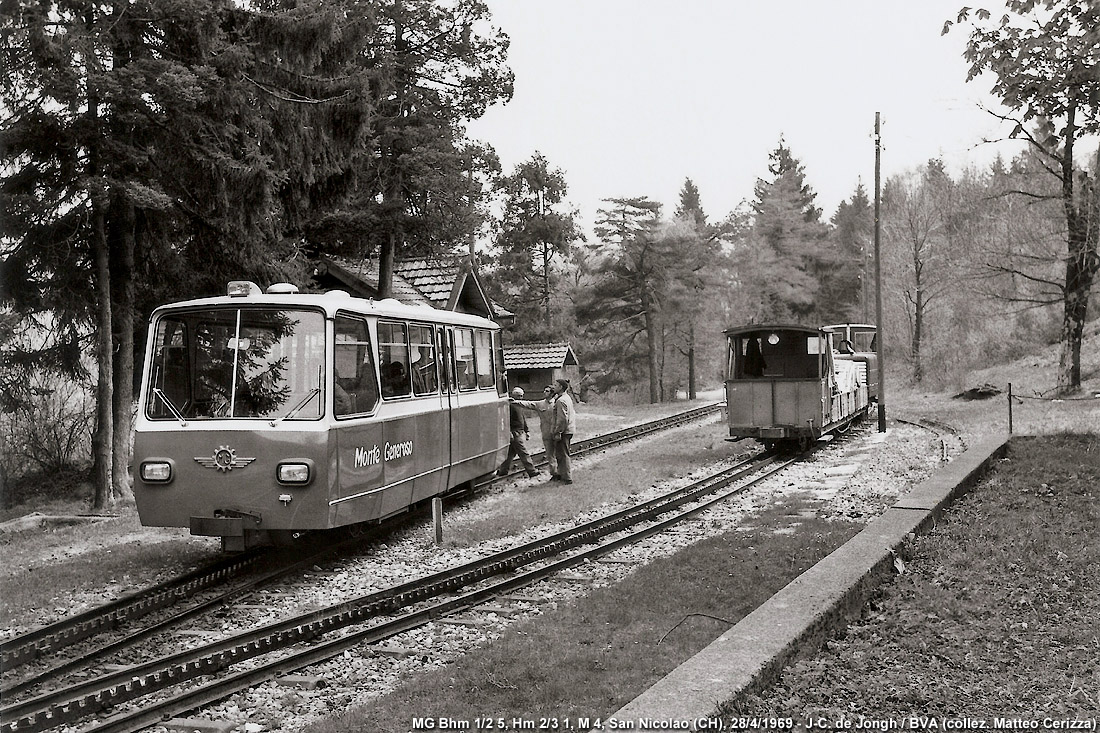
x=464 y=359
x=356 y=388
x=393 y=359
x=484 y=348
x=446 y=365
x=498 y=359
x=424 y=364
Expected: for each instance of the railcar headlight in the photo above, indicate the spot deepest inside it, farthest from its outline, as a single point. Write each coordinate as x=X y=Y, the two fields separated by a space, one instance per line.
x=156 y=472
x=296 y=473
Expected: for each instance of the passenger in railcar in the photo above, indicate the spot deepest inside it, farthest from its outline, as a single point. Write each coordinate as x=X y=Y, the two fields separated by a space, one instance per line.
x=423 y=372
x=754 y=359
x=341 y=401
x=517 y=445
x=396 y=381
x=545 y=410
x=565 y=426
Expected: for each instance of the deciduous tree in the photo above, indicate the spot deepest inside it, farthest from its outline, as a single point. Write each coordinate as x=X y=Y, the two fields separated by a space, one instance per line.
x=1044 y=56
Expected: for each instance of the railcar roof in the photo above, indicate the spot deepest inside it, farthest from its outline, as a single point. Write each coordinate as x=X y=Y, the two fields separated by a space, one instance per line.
x=336 y=300
x=851 y=326
x=754 y=327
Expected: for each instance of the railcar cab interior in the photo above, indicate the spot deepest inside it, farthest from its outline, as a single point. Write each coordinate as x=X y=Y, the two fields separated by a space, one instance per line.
x=775 y=352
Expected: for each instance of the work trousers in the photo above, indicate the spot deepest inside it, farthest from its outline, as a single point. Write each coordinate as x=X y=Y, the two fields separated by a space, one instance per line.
x=551 y=454
x=518 y=447
x=561 y=448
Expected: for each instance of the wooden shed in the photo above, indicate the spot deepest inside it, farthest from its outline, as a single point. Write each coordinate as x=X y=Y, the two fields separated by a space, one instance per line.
x=533 y=366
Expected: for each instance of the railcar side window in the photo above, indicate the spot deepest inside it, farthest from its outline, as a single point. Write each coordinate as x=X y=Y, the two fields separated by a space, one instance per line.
x=484 y=348
x=424 y=364
x=464 y=359
x=356 y=389
x=393 y=359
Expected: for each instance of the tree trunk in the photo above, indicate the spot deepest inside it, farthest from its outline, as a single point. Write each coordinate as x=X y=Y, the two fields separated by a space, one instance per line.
x=651 y=343
x=103 y=440
x=918 y=334
x=546 y=280
x=395 y=206
x=691 y=362
x=123 y=321
x=1081 y=264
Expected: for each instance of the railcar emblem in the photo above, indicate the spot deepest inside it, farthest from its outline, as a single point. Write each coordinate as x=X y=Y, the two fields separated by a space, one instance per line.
x=224 y=459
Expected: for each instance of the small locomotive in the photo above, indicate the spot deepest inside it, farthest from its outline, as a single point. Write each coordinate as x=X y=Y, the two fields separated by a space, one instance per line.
x=787 y=385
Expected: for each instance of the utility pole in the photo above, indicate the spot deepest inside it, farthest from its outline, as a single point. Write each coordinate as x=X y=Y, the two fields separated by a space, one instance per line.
x=878 y=285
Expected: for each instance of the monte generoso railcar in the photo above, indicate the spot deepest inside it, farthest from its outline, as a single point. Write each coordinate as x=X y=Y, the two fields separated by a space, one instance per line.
x=264 y=415
x=786 y=384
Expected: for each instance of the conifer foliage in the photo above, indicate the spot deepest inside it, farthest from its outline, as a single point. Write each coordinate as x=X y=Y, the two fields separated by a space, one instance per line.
x=537 y=235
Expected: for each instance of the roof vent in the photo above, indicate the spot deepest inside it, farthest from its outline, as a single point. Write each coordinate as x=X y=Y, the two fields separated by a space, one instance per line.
x=337 y=294
x=282 y=289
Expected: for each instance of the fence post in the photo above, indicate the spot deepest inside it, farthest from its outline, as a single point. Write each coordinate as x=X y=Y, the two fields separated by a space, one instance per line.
x=1010 y=408
x=437 y=519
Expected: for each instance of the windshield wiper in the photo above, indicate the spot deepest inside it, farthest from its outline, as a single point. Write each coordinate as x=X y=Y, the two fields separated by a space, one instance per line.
x=294 y=410
x=171 y=407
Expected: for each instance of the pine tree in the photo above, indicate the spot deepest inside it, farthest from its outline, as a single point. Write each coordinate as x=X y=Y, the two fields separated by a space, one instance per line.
x=849 y=287
x=536 y=230
x=428 y=67
x=154 y=148
x=788 y=252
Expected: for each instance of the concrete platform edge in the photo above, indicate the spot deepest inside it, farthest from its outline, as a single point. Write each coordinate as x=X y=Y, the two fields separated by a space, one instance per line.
x=802 y=615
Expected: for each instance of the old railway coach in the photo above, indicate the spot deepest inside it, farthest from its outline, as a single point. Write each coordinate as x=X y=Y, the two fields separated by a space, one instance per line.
x=787 y=386
x=264 y=415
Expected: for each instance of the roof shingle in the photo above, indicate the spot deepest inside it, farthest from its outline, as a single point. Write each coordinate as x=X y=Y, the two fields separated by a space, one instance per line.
x=539 y=356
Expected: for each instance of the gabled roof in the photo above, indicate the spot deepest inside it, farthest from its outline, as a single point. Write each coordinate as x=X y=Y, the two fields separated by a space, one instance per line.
x=361 y=279
x=539 y=356
x=446 y=283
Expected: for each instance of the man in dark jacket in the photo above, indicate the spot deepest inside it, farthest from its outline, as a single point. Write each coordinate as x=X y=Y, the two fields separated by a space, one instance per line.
x=518 y=444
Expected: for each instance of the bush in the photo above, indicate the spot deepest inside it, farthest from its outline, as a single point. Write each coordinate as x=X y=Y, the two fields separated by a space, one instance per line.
x=46 y=433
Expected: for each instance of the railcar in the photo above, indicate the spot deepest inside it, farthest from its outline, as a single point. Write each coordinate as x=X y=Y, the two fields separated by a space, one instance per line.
x=265 y=415
x=787 y=387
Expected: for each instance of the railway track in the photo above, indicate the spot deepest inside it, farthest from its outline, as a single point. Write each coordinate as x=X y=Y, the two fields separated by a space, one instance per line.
x=396 y=609
x=56 y=638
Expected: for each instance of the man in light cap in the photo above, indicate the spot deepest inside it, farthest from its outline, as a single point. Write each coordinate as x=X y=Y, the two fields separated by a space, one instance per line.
x=545 y=410
x=518 y=444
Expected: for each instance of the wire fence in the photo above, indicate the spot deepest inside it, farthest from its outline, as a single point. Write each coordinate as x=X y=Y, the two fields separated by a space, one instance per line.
x=1048 y=401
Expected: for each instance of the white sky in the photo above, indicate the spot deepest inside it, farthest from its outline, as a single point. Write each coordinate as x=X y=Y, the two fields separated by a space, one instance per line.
x=630 y=97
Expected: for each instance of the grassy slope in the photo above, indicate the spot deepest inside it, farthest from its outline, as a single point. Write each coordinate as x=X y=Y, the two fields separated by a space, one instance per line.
x=995 y=616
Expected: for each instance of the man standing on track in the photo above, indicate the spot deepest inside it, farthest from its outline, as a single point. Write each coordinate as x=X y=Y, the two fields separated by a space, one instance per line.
x=517 y=446
x=565 y=425
x=545 y=409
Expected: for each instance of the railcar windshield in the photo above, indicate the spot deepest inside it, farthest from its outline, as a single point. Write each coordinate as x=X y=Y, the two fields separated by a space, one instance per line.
x=251 y=362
